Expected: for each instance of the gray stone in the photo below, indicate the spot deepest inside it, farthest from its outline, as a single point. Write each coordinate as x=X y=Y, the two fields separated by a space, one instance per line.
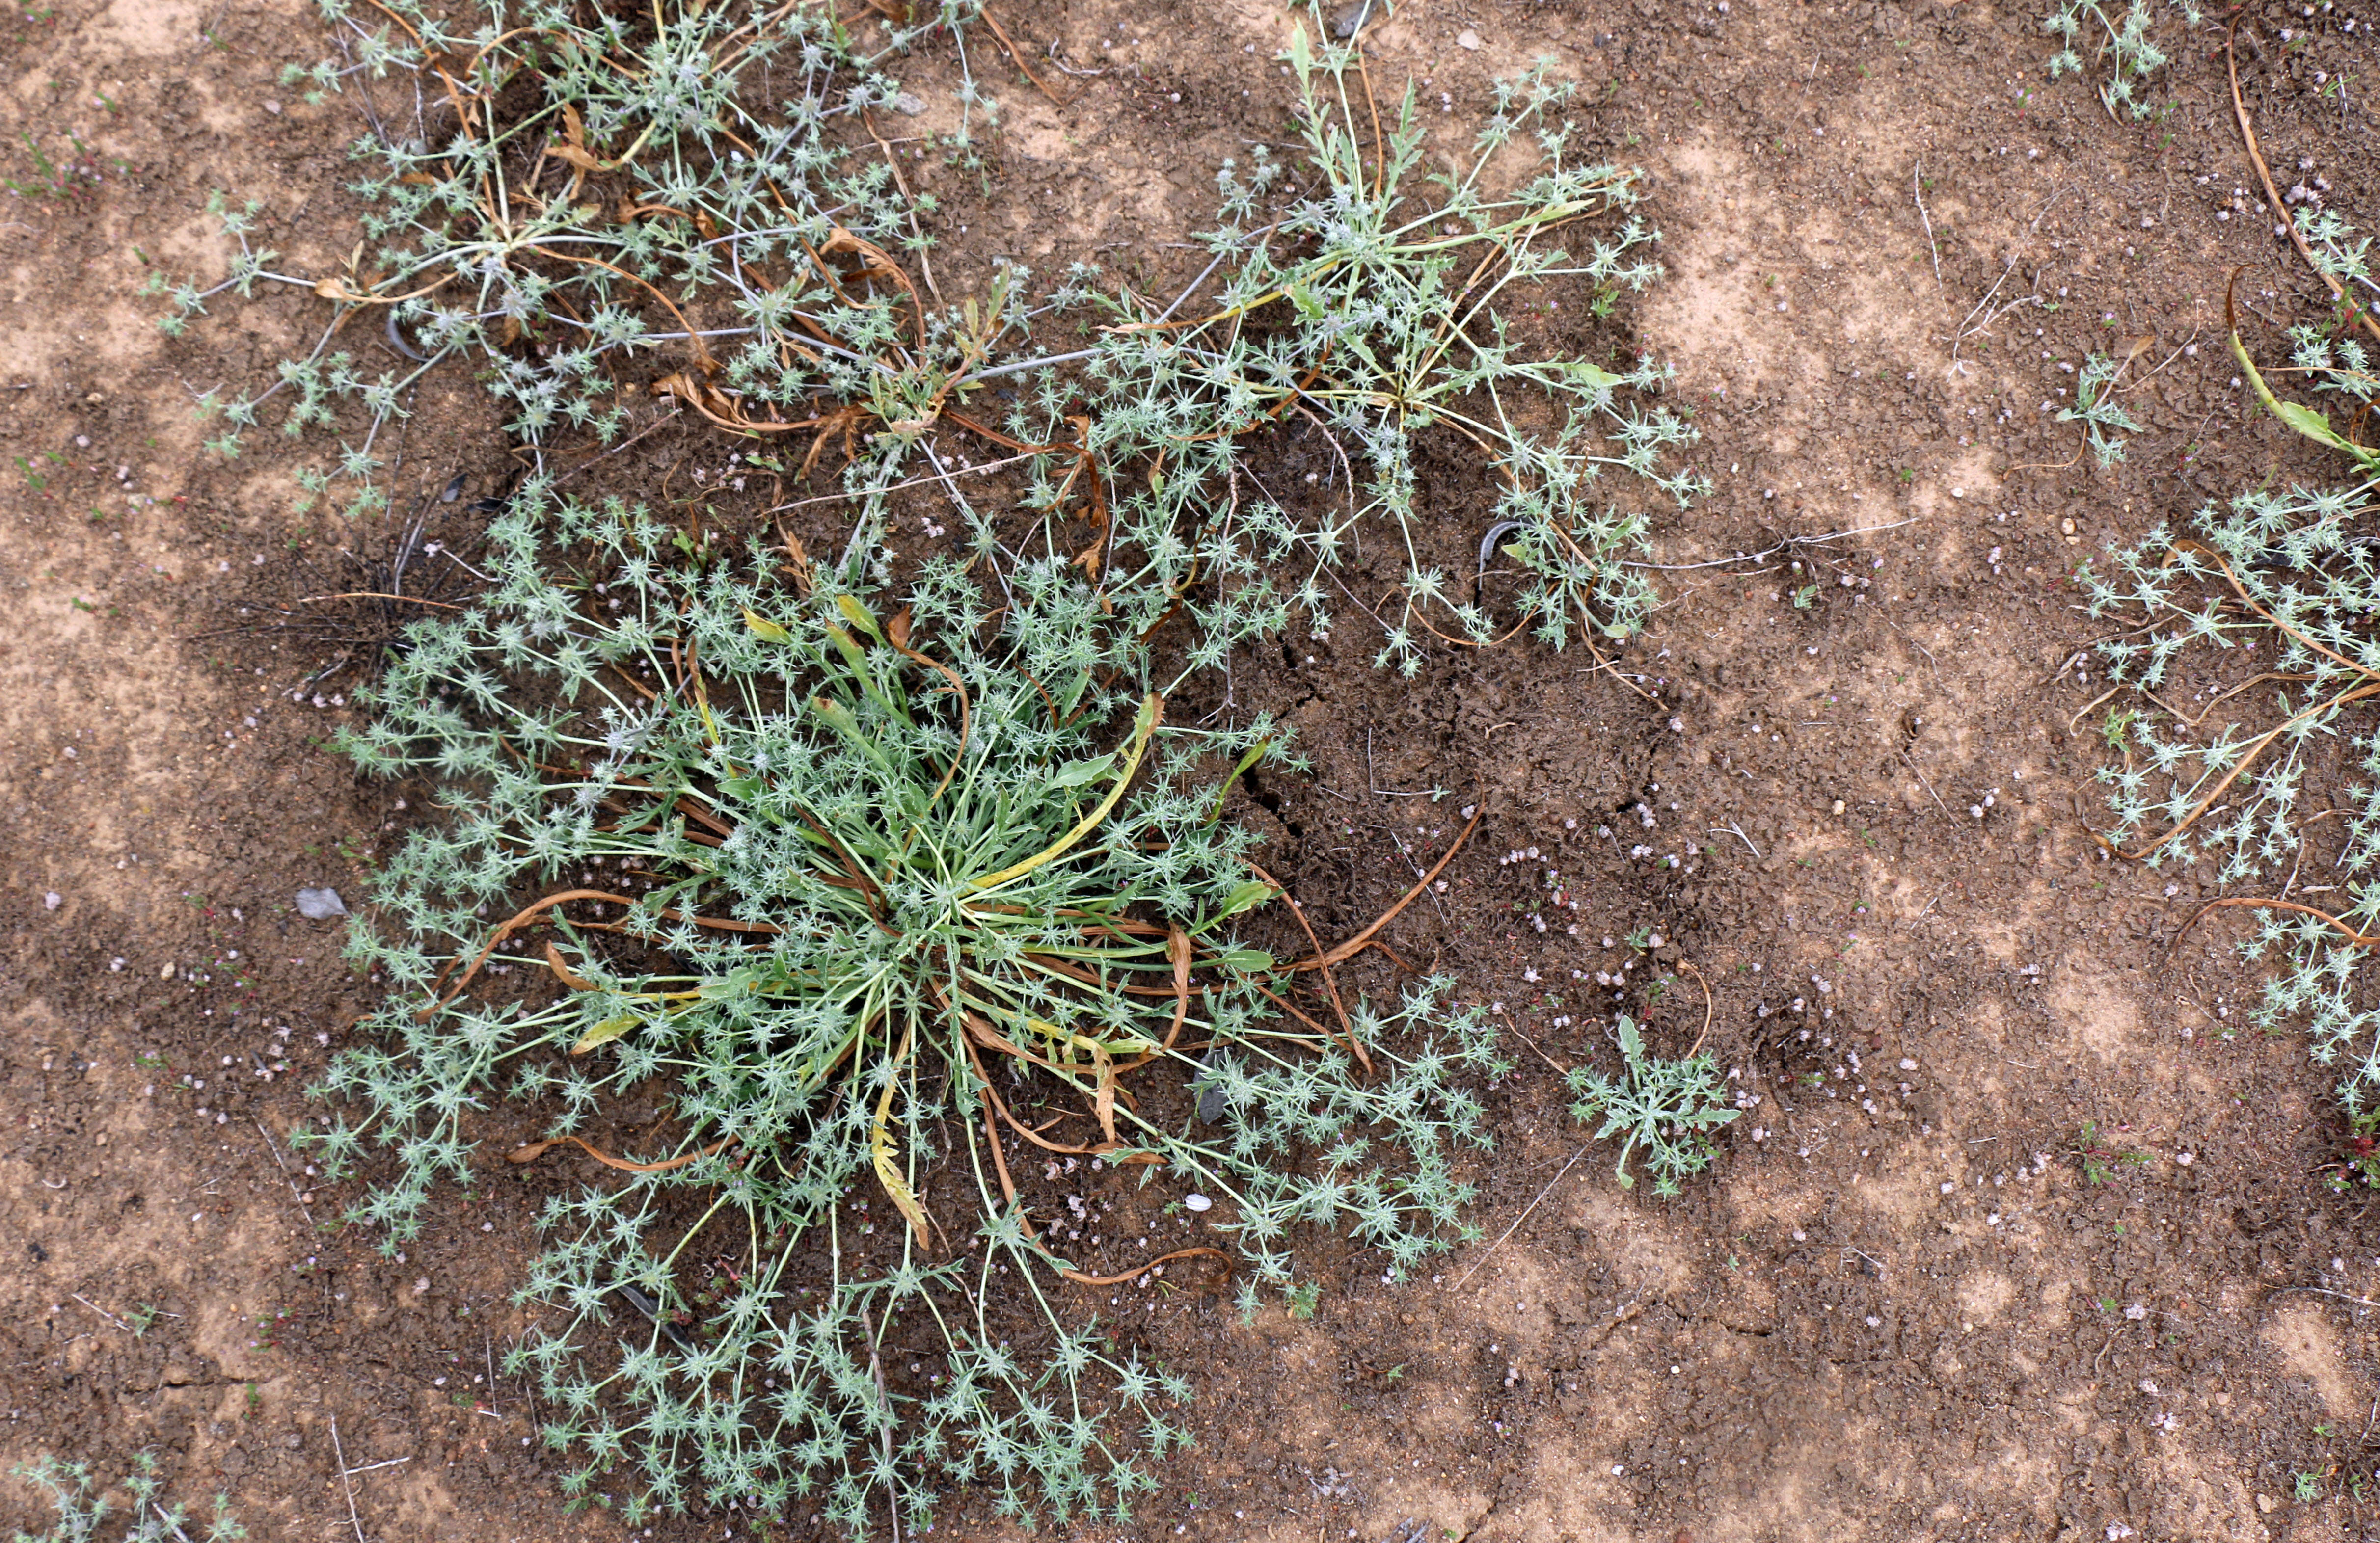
x=1355 y=16
x=319 y=905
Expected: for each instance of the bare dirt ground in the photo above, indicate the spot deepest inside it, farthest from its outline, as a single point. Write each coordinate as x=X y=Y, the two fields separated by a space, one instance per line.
x=1899 y=1306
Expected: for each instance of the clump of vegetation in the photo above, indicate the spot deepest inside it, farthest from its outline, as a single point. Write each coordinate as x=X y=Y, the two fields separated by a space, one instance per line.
x=849 y=892
x=2282 y=578
x=1666 y=1108
x=848 y=868
x=2126 y=47
x=574 y=197
x=82 y=1515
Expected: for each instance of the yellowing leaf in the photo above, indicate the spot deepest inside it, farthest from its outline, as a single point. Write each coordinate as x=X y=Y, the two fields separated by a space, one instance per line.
x=605 y=1032
x=766 y=628
x=882 y=1149
x=858 y=615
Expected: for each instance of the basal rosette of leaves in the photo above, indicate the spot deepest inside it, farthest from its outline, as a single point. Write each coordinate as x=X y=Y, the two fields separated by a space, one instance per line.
x=845 y=891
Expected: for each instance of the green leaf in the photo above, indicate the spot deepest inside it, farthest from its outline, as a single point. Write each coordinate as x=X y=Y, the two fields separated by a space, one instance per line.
x=1240 y=899
x=766 y=628
x=1301 y=55
x=1249 y=961
x=1074 y=774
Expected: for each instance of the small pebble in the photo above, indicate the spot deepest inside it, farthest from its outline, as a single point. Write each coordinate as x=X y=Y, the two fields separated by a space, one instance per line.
x=1467 y=39
x=1195 y=1201
x=319 y=905
x=52 y=901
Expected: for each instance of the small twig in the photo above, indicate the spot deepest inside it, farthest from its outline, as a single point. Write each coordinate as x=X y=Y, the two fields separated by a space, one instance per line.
x=1739 y=835
x=1513 y=1024
x=1520 y=1218
x=2324 y=1291
x=1914 y=643
x=487 y=1343
x=2074 y=724
x=2104 y=1349
x=1063 y=64
x=375 y=594
x=668 y=417
x=375 y=1467
x=1929 y=788
x=102 y=1312
x=287 y=1177
x=1917 y=192
x=1709 y=1007
x=1865 y=1255
x=346 y=1479
x=166 y=1517
x=1016 y=54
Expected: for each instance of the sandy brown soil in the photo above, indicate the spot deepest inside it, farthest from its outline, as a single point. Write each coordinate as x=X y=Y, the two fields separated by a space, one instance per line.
x=1897 y=1309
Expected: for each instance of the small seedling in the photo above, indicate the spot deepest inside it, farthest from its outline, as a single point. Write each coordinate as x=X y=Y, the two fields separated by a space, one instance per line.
x=2100 y=1162
x=2095 y=408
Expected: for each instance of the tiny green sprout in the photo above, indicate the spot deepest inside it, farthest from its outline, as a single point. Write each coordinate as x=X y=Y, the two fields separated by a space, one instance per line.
x=1395 y=1373
x=1304 y=1298
x=1805 y=597
x=2120 y=722
x=255 y=1400
x=2309 y=1487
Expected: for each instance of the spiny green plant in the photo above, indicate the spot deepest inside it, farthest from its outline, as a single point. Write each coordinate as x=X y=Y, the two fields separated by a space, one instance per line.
x=1666 y=1107
x=2285 y=578
x=847 y=891
x=2130 y=55
x=81 y=1513
x=590 y=193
